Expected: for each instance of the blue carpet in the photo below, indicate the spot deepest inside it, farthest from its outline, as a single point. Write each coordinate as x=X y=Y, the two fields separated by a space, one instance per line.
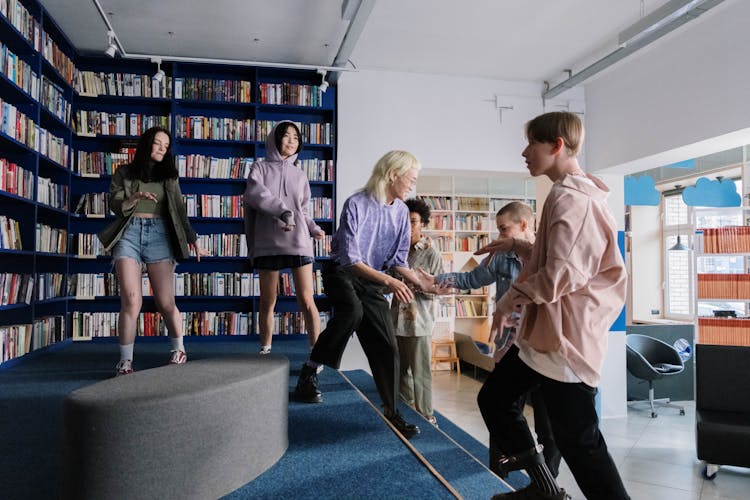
x=339 y=449
x=465 y=472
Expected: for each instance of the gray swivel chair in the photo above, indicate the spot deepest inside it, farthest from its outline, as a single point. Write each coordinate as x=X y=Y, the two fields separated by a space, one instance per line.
x=651 y=359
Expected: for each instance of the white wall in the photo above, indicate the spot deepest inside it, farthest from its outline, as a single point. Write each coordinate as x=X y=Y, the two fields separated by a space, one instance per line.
x=447 y=122
x=671 y=101
x=645 y=263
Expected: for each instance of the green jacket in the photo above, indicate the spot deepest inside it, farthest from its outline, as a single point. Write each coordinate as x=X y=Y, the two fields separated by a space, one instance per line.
x=121 y=188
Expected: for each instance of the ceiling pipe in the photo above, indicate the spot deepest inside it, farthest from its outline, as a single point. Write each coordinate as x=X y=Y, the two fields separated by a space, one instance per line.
x=353 y=32
x=663 y=20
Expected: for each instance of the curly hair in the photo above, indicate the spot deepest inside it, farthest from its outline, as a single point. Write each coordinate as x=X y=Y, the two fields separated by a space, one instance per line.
x=418 y=206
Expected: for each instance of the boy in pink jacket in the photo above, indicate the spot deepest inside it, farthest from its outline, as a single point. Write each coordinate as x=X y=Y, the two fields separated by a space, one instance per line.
x=569 y=293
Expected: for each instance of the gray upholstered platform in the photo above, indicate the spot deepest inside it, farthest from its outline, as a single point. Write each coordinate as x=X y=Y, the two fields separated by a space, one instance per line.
x=198 y=430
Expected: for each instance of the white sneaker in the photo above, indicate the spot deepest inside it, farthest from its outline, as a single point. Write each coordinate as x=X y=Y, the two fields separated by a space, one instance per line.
x=124 y=367
x=178 y=358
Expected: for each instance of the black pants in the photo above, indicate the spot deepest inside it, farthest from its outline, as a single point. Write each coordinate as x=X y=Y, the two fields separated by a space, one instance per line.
x=542 y=428
x=359 y=305
x=572 y=415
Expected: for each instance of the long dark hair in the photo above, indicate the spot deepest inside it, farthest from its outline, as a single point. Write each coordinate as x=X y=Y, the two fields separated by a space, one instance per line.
x=280 y=130
x=161 y=171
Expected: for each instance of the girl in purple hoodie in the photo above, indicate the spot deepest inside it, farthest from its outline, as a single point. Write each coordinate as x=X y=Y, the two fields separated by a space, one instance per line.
x=279 y=229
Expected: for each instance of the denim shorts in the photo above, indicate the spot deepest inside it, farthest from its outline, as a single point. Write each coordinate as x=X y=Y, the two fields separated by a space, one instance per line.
x=276 y=262
x=145 y=240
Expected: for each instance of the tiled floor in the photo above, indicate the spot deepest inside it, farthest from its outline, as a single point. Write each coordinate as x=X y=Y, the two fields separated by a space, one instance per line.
x=656 y=457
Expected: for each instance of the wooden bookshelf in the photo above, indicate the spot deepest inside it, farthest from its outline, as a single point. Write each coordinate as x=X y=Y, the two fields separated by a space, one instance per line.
x=721 y=246
x=461 y=223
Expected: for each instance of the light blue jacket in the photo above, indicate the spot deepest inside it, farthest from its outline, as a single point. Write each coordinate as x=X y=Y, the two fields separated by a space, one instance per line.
x=503 y=269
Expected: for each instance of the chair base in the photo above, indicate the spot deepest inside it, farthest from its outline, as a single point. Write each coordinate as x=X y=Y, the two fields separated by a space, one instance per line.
x=654 y=403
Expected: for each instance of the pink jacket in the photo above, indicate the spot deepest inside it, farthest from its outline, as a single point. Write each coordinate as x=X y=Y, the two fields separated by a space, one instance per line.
x=574 y=284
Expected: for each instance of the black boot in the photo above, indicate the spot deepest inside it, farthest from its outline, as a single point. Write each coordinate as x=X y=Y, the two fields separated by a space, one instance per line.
x=401 y=425
x=307 y=386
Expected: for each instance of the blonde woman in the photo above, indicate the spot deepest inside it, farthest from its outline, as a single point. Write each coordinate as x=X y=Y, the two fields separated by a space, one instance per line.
x=373 y=236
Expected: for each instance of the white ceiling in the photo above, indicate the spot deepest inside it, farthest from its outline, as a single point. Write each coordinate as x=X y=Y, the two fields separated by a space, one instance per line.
x=527 y=40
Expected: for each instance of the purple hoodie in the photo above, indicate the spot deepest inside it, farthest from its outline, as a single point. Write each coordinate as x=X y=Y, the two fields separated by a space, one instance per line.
x=277 y=192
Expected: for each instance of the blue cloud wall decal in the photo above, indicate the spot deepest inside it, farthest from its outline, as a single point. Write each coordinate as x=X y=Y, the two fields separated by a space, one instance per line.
x=708 y=193
x=641 y=191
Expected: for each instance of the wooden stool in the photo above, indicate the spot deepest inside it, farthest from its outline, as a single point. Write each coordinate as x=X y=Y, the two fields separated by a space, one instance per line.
x=451 y=356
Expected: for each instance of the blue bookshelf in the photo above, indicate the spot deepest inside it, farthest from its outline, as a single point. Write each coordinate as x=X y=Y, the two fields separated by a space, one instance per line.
x=86 y=105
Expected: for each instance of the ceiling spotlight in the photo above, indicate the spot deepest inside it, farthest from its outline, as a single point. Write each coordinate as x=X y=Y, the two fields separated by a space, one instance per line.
x=323 y=81
x=159 y=75
x=111 y=49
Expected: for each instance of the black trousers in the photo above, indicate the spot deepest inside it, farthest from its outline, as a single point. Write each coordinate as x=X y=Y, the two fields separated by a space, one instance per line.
x=542 y=428
x=572 y=415
x=359 y=305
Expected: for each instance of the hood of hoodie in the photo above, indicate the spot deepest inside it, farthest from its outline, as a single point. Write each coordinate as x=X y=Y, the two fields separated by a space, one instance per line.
x=273 y=157
x=590 y=185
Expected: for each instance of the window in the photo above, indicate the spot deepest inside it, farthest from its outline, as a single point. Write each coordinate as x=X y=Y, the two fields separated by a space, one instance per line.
x=678 y=299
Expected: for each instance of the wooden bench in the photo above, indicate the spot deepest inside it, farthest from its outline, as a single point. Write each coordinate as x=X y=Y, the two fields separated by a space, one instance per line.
x=198 y=430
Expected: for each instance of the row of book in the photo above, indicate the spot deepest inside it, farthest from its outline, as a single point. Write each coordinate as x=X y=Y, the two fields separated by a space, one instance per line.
x=213 y=205
x=728 y=239
x=218 y=245
x=723 y=286
x=49 y=286
x=292 y=323
x=16 y=180
x=90 y=123
x=88 y=246
x=52 y=194
x=442 y=243
x=90 y=285
x=98 y=163
x=206 y=89
x=211 y=167
x=470 y=308
x=93 y=205
x=19 y=72
x=290 y=93
x=471 y=243
x=87 y=325
x=472 y=222
x=286 y=283
x=437 y=202
x=471 y=203
x=724 y=331
x=10 y=234
x=16 y=288
x=214 y=128
x=17 y=340
x=94 y=83
x=312 y=133
x=224 y=245
x=321 y=208
x=443 y=222
x=20 y=127
x=51 y=239
x=54 y=100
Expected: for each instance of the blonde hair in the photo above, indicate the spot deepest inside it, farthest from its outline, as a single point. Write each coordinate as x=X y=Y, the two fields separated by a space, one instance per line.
x=397 y=163
x=549 y=126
